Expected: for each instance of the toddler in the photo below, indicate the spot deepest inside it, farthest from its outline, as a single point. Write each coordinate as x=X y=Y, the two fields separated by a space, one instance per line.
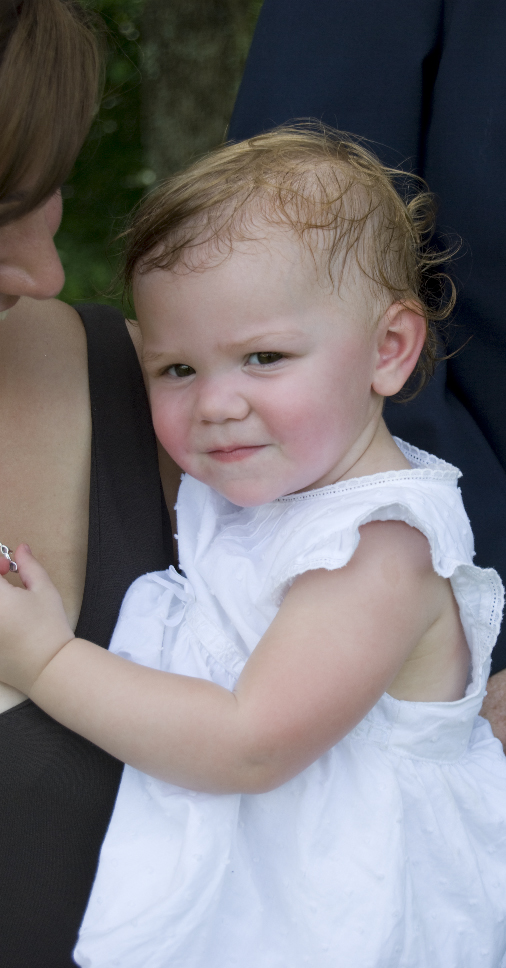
x=308 y=781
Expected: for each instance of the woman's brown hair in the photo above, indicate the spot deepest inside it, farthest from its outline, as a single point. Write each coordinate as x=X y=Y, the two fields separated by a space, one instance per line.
x=50 y=73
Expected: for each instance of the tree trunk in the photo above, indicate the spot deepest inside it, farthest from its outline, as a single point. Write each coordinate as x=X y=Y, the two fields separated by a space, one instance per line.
x=193 y=57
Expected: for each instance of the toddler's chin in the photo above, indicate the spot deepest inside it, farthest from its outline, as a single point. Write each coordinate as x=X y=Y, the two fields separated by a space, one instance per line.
x=246 y=494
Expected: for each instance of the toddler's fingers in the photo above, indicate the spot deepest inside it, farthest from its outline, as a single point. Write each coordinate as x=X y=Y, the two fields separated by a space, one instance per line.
x=4 y=566
x=31 y=572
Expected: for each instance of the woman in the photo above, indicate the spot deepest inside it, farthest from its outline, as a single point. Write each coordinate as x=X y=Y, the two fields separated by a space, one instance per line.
x=79 y=475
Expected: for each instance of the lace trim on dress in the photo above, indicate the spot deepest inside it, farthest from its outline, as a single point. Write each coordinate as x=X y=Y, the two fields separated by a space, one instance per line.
x=431 y=468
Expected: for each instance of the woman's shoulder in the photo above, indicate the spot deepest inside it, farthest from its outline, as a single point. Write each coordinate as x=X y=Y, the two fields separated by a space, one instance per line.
x=44 y=369
x=68 y=332
x=59 y=356
x=46 y=327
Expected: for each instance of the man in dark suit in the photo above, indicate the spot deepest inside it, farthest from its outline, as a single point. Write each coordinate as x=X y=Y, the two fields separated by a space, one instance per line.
x=425 y=83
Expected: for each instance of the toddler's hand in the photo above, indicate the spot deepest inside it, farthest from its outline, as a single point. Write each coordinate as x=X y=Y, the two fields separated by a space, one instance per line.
x=33 y=624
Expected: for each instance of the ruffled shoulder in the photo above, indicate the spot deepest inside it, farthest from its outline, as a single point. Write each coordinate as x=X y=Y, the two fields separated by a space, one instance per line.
x=321 y=529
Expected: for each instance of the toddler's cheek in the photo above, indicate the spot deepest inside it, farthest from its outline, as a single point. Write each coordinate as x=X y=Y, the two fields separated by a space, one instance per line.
x=166 y=426
x=169 y=430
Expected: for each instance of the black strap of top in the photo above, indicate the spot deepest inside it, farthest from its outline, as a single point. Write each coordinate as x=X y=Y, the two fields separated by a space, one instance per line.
x=129 y=529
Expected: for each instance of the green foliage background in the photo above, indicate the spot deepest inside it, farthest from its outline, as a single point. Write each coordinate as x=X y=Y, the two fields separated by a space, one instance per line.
x=112 y=171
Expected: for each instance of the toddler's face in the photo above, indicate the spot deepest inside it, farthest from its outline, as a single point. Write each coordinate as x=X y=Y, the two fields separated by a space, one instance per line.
x=260 y=380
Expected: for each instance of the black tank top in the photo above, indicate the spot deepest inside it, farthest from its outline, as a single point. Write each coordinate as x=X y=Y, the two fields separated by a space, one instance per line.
x=57 y=790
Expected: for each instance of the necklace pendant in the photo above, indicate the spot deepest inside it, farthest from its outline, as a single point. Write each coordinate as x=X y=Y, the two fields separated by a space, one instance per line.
x=6 y=552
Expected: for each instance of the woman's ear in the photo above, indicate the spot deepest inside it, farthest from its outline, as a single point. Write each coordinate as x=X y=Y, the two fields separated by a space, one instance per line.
x=401 y=334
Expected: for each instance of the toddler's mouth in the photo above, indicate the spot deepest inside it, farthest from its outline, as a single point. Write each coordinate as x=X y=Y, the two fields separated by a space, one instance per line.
x=227 y=455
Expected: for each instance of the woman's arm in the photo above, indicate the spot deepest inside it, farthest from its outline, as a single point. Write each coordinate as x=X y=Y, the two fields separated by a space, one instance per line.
x=494 y=705
x=336 y=644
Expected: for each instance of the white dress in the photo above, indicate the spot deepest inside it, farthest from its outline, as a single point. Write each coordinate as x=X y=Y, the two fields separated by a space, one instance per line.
x=387 y=852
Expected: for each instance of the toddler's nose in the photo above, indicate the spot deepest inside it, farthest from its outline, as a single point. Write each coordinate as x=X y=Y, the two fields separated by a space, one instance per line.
x=219 y=400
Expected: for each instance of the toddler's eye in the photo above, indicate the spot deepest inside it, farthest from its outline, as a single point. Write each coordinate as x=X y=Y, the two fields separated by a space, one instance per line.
x=264 y=358
x=180 y=370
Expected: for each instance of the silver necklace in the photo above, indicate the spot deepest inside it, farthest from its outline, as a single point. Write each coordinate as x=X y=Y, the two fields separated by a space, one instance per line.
x=6 y=553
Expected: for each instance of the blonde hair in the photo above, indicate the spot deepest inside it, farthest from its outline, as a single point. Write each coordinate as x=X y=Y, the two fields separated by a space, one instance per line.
x=324 y=186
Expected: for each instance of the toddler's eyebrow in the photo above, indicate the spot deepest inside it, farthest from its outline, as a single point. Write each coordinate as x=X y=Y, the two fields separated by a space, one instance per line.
x=243 y=344
x=268 y=336
x=154 y=357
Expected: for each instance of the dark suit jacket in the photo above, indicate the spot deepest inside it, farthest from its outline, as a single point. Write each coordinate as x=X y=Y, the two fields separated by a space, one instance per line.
x=425 y=81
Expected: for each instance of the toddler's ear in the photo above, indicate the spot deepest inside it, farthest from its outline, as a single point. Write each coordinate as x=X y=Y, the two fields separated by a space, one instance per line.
x=400 y=338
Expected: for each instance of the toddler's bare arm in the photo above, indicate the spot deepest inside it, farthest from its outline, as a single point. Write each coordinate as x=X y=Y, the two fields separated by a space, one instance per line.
x=336 y=644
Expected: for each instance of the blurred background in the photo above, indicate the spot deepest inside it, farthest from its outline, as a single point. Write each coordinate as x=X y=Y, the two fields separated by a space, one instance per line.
x=173 y=70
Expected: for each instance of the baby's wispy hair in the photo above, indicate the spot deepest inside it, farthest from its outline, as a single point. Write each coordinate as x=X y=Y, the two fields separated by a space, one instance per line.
x=325 y=187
